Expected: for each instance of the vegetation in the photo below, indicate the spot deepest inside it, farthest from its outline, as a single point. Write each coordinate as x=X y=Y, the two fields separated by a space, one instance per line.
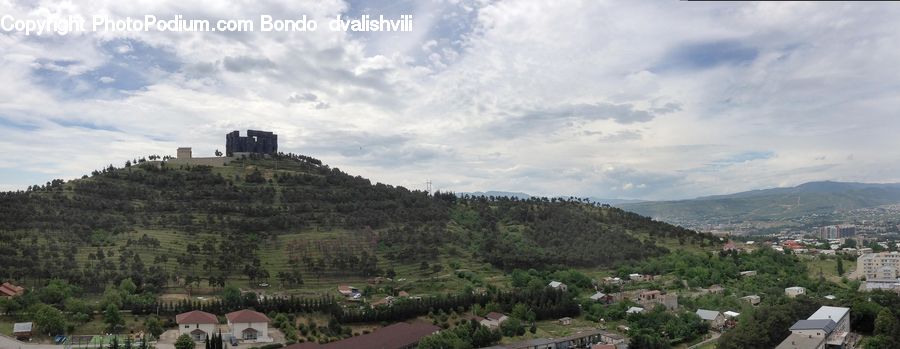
x=110 y=227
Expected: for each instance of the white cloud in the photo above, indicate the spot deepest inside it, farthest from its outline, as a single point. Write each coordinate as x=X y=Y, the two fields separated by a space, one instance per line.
x=643 y=100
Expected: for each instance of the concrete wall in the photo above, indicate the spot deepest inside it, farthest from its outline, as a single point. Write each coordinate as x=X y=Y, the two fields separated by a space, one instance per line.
x=214 y=161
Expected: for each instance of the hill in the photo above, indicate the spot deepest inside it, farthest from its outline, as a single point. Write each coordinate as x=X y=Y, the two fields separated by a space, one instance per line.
x=772 y=204
x=308 y=226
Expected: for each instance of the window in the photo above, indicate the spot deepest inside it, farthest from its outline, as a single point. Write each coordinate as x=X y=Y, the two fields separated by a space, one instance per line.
x=187 y=326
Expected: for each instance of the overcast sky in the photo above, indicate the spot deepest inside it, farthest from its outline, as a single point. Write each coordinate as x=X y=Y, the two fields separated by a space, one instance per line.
x=624 y=99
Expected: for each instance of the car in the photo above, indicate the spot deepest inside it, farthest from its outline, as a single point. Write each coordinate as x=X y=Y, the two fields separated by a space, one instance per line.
x=234 y=341
x=264 y=284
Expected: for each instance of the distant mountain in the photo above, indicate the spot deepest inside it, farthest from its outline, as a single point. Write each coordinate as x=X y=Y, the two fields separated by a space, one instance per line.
x=616 y=202
x=772 y=204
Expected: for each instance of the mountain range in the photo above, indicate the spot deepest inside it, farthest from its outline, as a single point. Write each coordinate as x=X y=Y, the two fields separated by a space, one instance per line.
x=825 y=197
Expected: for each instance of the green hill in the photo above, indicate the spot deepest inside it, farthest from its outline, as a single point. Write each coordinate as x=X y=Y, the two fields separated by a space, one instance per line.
x=302 y=226
x=772 y=204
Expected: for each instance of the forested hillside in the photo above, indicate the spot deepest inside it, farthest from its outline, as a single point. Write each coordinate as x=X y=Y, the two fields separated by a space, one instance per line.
x=293 y=220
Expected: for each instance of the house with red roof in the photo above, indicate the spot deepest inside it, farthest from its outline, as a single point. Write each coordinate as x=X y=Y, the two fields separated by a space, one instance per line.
x=197 y=324
x=249 y=326
x=9 y=290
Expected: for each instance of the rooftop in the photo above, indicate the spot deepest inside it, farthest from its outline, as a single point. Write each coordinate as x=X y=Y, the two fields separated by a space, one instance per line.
x=799 y=341
x=832 y=313
x=246 y=316
x=707 y=314
x=825 y=325
x=196 y=317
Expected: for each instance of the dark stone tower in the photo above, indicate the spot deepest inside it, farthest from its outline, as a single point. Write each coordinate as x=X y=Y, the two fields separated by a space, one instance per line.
x=259 y=142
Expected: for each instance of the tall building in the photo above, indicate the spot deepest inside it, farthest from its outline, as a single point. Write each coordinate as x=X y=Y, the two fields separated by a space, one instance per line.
x=829 y=232
x=847 y=230
x=836 y=231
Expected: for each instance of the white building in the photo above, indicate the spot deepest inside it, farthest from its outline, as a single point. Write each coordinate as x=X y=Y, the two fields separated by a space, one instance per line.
x=827 y=327
x=249 y=326
x=794 y=291
x=197 y=324
x=558 y=285
x=882 y=270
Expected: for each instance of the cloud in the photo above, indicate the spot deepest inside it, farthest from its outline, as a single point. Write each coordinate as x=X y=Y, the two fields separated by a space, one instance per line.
x=243 y=64
x=661 y=101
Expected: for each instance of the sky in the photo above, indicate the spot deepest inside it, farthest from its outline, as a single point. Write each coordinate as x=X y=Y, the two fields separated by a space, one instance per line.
x=614 y=99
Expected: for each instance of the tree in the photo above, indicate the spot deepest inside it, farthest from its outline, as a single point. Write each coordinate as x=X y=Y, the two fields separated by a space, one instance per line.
x=113 y=319
x=840 y=266
x=231 y=295
x=885 y=324
x=184 y=342
x=127 y=286
x=49 y=320
x=218 y=153
x=154 y=326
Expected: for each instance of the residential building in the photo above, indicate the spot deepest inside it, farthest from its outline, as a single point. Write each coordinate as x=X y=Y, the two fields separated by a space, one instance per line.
x=752 y=299
x=250 y=326
x=566 y=321
x=602 y=297
x=397 y=336
x=650 y=299
x=558 y=285
x=794 y=291
x=9 y=290
x=729 y=246
x=715 y=318
x=197 y=324
x=882 y=270
x=347 y=290
x=826 y=328
x=492 y=319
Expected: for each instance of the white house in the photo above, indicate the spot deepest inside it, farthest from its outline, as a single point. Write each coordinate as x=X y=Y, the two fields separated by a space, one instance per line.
x=794 y=291
x=249 y=326
x=493 y=319
x=827 y=327
x=558 y=285
x=197 y=324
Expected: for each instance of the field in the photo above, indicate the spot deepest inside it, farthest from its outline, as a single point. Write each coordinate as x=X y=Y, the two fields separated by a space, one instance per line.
x=827 y=267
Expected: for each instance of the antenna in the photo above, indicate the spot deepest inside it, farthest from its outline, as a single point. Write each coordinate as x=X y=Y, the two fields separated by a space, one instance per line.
x=428 y=186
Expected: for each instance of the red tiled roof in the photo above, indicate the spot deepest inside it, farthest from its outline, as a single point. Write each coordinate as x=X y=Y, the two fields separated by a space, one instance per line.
x=494 y=315
x=196 y=317
x=7 y=292
x=396 y=336
x=246 y=316
x=11 y=290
